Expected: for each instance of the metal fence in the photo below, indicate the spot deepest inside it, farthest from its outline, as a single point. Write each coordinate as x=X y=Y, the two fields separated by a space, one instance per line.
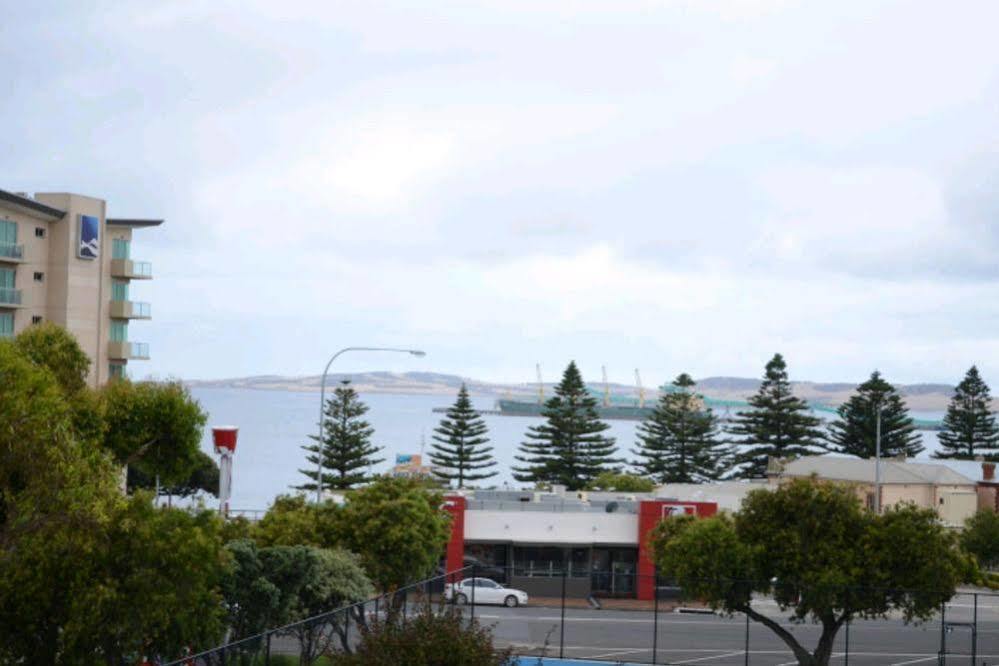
x=557 y=622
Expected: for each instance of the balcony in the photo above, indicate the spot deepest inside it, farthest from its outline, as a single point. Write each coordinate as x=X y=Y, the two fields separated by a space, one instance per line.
x=11 y=253
x=130 y=310
x=128 y=350
x=10 y=298
x=133 y=270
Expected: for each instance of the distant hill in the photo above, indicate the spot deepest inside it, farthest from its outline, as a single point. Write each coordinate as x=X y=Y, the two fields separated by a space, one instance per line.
x=923 y=397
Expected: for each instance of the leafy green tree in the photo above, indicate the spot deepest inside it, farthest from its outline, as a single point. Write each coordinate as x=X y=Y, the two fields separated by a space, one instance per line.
x=811 y=547
x=398 y=528
x=87 y=575
x=969 y=427
x=347 y=449
x=53 y=347
x=569 y=448
x=622 y=483
x=294 y=521
x=459 y=452
x=679 y=441
x=204 y=477
x=443 y=638
x=778 y=425
x=981 y=538
x=855 y=431
x=154 y=426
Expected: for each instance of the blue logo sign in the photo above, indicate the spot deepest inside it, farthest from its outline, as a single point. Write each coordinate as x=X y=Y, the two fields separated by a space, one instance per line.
x=90 y=237
x=403 y=458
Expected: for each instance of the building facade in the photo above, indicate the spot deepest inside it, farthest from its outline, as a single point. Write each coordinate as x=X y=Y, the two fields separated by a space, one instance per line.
x=591 y=543
x=62 y=259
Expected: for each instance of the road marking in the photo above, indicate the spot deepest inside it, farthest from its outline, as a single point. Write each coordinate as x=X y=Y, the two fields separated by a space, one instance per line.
x=714 y=656
x=915 y=661
x=615 y=653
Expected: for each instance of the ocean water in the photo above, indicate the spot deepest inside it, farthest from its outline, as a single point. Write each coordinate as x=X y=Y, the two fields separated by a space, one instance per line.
x=273 y=425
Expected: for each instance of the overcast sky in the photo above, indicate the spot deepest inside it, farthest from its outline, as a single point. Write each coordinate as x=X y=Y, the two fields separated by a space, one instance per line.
x=674 y=186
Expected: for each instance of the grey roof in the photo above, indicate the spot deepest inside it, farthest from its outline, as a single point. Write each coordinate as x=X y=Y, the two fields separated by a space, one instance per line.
x=30 y=204
x=892 y=471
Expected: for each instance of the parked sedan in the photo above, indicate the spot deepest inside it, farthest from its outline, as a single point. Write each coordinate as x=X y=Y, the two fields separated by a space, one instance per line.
x=486 y=591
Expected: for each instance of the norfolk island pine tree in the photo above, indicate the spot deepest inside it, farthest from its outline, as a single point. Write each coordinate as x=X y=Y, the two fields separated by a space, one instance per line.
x=855 y=431
x=347 y=449
x=969 y=427
x=778 y=425
x=569 y=448
x=679 y=441
x=459 y=452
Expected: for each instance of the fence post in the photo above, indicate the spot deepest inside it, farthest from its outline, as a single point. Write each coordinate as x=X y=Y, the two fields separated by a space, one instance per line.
x=267 y=649
x=561 y=631
x=943 y=634
x=473 y=593
x=974 y=630
x=746 y=652
x=846 y=655
x=655 y=620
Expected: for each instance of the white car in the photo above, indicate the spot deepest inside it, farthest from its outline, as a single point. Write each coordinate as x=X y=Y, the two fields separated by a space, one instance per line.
x=486 y=591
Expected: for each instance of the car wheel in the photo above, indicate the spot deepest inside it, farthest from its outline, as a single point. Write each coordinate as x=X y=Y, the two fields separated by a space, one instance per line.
x=510 y=601
x=461 y=599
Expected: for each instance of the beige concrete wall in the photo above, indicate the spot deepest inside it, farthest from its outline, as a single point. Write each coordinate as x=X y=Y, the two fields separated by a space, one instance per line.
x=33 y=294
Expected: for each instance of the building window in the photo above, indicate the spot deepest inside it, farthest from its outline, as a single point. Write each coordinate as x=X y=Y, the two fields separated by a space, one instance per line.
x=39 y=232
x=119 y=331
x=116 y=371
x=119 y=291
x=120 y=249
x=8 y=232
x=39 y=276
x=489 y=560
x=6 y=324
x=550 y=562
x=36 y=320
x=6 y=278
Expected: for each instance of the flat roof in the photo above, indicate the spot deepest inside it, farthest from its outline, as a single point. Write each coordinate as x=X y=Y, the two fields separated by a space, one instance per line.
x=133 y=222
x=30 y=204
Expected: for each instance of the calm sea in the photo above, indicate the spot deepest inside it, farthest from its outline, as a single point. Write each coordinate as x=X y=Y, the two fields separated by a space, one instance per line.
x=273 y=425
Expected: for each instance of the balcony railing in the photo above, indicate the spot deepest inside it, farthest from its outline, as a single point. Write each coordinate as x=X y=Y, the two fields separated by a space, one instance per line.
x=10 y=296
x=128 y=350
x=136 y=270
x=11 y=252
x=130 y=310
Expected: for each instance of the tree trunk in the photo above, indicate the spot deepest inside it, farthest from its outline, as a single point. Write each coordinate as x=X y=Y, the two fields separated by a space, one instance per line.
x=823 y=651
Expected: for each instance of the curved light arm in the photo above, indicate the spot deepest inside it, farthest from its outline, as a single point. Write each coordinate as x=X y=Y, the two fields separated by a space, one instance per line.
x=322 y=404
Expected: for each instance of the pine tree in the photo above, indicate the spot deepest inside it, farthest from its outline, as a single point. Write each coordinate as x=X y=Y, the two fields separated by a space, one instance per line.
x=459 y=452
x=854 y=432
x=779 y=424
x=568 y=448
x=347 y=447
x=969 y=428
x=679 y=440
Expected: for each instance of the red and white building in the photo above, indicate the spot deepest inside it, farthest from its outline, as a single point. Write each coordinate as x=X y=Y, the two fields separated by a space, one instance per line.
x=594 y=543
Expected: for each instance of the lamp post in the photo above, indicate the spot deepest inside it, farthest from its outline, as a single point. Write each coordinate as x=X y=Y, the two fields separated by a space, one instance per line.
x=877 y=461
x=322 y=404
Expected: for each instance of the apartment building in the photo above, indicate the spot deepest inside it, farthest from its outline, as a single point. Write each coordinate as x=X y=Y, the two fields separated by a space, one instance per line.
x=62 y=259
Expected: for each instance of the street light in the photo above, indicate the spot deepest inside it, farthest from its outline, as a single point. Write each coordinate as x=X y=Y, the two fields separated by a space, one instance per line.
x=877 y=461
x=322 y=404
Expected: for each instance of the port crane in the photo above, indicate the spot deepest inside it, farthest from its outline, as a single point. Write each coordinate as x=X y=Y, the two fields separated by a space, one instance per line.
x=541 y=385
x=603 y=369
x=641 y=391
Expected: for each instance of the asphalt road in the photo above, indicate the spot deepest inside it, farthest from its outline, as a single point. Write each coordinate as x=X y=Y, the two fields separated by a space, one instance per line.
x=710 y=640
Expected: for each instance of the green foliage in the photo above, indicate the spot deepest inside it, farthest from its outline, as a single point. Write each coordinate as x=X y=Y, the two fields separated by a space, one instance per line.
x=969 y=427
x=87 y=575
x=294 y=521
x=459 y=452
x=981 y=538
x=442 y=638
x=155 y=426
x=855 y=431
x=398 y=528
x=204 y=477
x=821 y=557
x=281 y=585
x=622 y=483
x=54 y=348
x=679 y=441
x=347 y=449
x=778 y=425
x=568 y=448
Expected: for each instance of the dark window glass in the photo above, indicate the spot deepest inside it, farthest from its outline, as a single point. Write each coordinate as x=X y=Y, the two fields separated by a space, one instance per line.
x=39 y=232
